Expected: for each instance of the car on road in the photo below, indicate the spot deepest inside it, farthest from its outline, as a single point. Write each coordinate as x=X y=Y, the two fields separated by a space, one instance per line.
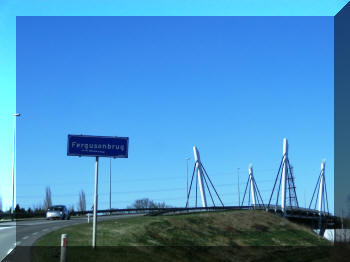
x=57 y=212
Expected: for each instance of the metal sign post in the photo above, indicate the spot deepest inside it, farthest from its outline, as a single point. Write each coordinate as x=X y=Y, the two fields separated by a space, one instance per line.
x=97 y=146
x=110 y=185
x=94 y=226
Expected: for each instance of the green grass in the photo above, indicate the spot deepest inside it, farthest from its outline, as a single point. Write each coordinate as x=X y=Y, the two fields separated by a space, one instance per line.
x=230 y=235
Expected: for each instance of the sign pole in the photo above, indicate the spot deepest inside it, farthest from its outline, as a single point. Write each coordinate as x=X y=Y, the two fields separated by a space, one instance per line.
x=94 y=227
x=110 y=186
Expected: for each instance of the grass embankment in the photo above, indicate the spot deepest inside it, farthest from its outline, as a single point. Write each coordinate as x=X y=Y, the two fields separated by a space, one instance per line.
x=231 y=235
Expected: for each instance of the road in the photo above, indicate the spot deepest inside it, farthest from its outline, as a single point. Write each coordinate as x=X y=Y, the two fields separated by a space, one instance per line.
x=7 y=238
x=16 y=238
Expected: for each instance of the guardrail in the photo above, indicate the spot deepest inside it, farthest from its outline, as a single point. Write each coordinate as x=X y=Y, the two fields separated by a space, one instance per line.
x=277 y=209
x=293 y=213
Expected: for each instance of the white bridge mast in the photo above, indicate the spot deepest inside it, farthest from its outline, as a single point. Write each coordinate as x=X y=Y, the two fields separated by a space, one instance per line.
x=284 y=175
x=251 y=181
x=200 y=175
x=320 y=194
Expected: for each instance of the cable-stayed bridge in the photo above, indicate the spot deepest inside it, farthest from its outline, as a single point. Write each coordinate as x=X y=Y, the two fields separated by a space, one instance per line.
x=284 y=192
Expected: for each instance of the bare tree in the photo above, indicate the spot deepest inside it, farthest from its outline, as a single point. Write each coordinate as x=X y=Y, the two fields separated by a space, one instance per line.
x=82 y=201
x=147 y=203
x=47 y=200
x=71 y=209
x=37 y=207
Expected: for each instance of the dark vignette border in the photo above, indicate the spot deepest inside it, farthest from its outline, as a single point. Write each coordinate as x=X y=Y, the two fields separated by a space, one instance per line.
x=341 y=184
x=342 y=115
x=183 y=253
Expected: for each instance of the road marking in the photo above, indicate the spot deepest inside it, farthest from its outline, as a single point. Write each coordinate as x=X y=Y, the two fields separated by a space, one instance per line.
x=6 y=227
x=24 y=238
x=8 y=252
x=35 y=233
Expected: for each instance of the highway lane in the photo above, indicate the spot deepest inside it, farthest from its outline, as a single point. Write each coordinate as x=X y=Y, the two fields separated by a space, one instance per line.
x=25 y=233
x=7 y=238
x=16 y=240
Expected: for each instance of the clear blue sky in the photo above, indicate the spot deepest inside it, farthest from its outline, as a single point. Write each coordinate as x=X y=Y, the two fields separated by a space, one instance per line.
x=233 y=86
x=9 y=10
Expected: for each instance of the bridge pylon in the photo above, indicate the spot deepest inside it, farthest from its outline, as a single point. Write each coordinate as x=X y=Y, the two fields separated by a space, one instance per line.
x=286 y=183
x=322 y=201
x=254 y=196
x=203 y=181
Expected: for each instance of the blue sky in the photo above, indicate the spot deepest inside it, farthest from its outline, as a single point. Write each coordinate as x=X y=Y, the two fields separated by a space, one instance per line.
x=233 y=86
x=10 y=9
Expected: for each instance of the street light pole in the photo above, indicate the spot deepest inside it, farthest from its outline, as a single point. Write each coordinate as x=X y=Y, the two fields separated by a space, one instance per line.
x=239 y=194
x=13 y=169
x=187 y=176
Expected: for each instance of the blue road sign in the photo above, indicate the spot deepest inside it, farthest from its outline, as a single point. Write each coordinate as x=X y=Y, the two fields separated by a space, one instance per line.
x=105 y=146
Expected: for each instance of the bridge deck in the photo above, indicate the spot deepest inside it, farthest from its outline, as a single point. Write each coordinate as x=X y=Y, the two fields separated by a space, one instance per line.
x=300 y=215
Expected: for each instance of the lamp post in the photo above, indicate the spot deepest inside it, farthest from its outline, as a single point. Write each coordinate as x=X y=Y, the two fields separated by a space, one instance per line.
x=13 y=168
x=239 y=194
x=188 y=158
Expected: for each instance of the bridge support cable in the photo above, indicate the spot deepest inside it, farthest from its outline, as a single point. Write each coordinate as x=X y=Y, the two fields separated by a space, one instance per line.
x=196 y=190
x=274 y=185
x=211 y=197
x=278 y=192
x=253 y=191
x=293 y=199
x=189 y=191
x=202 y=183
x=245 y=191
x=248 y=199
x=262 y=202
x=318 y=181
x=205 y=172
x=325 y=188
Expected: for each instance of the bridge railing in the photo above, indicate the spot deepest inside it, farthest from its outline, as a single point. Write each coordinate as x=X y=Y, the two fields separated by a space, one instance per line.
x=271 y=208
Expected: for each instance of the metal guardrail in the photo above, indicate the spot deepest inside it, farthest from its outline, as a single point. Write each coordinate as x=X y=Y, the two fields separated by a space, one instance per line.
x=271 y=208
x=296 y=214
x=303 y=215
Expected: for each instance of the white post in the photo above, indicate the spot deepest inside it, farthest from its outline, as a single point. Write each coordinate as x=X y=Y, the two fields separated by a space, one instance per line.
x=250 y=170
x=94 y=226
x=284 y=175
x=200 y=176
x=320 y=194
x=88 y=218
x=63 y=248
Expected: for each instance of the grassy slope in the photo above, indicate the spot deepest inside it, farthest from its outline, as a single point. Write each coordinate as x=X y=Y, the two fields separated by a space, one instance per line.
x=216 y=235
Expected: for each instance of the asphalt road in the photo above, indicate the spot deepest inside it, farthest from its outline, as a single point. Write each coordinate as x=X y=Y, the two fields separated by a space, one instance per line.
x=7 y=238
x=17 y=238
